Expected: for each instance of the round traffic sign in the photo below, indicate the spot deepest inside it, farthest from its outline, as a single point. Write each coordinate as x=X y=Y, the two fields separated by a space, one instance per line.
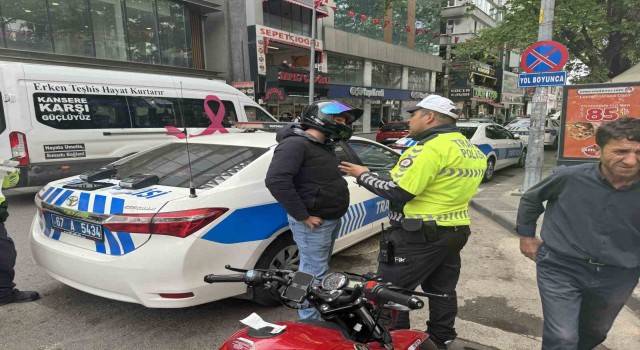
x=544 y=56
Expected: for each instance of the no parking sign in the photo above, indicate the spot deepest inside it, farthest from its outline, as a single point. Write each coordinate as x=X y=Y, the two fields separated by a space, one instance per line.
x=543 y=61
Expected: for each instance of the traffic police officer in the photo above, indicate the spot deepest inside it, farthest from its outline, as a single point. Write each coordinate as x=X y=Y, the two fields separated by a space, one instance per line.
x=9 y=294
x=429 y=190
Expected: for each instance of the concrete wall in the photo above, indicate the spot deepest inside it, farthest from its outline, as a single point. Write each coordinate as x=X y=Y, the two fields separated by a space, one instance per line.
x=355 y=45
x=216 y=41
x=239 y=12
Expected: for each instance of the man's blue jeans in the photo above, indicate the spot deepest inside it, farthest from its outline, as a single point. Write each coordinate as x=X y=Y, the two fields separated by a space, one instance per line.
x=314 y=248
x=580 y=300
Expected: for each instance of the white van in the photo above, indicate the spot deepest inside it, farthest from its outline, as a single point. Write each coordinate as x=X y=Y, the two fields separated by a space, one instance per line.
x=60 y=121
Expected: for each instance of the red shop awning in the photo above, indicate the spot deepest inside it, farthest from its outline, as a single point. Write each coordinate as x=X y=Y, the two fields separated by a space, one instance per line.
x=497 y=105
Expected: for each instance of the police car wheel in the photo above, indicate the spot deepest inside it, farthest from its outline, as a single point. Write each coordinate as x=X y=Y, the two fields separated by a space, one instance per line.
x=488 y=173
x=280 y=254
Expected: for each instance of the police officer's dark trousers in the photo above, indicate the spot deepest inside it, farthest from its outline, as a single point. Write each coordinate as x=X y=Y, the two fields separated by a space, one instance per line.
x=580 y=299
x=432 y=263
x=7 y=262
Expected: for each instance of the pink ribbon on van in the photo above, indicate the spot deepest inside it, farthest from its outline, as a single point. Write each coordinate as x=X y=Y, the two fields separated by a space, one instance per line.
x=215 y=118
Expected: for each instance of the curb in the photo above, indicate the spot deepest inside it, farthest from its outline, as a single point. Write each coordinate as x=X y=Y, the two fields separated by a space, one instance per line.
x=505 y=221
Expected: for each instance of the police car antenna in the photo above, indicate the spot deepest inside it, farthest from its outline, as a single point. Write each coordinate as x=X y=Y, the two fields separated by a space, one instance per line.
x=192 y=189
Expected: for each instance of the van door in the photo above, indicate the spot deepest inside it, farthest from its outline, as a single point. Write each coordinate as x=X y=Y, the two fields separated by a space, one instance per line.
x=5 y=150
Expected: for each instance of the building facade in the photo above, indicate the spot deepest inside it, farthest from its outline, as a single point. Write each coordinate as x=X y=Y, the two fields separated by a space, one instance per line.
x=161 y=36
x=377 y=76
x=479 y=88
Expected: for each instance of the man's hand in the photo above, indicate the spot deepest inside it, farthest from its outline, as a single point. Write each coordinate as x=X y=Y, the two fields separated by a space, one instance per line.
x=312 y=222
x=529 y=247
x=351 y=169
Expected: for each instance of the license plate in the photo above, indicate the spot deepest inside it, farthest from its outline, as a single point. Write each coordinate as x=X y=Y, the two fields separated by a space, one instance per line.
x=77 y=227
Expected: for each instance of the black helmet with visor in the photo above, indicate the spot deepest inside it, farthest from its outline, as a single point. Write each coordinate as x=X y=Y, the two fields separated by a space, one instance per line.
x=320 y=116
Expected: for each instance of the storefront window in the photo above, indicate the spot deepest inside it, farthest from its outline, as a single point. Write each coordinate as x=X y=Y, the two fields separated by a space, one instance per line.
x=345 y=70
x=155 y=32
x=287 y=16
x=143 y=31
x=386 y=75
x=108 y=29
x=419 y=79
x=25 y=25
x=71 y=28
x=174 y=34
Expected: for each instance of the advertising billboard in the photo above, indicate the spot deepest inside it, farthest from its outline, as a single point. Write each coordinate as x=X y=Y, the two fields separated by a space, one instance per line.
x=588 y=107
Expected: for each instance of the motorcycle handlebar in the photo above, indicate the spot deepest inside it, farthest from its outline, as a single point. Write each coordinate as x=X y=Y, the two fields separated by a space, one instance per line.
x=375 y=291
x=238 y=277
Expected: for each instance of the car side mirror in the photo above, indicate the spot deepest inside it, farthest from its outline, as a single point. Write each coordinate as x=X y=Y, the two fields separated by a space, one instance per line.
x=517 y=137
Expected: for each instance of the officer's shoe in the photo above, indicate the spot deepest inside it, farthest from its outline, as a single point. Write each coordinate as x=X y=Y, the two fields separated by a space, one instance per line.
x=18 y=296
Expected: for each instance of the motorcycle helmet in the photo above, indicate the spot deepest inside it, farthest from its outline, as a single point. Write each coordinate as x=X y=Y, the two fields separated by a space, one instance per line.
x=319 y=115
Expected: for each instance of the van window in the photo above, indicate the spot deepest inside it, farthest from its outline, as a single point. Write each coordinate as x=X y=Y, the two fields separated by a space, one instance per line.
x=195 y=116
x=152 y=112
x=255 y=114
x=3 y=123
x=68 y=111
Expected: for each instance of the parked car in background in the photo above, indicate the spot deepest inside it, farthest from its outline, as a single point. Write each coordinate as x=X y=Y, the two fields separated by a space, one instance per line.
x=501 y=147
x=134 y=231
x=392 y=132
x=520 y=127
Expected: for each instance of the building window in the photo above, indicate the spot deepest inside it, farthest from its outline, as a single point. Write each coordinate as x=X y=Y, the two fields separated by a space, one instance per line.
x=25 y=25
x=175 y=41
x=419 y=79
x=142 y=31
x=451 y=3
x=386 y=75
x=345 y=70
x=71 y=28
x=152 y=31
x=287 y=16
x=107 y=21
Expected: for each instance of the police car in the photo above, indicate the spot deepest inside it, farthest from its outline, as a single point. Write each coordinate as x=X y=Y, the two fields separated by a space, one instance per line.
x=520 y=127
x=135 y=231
x=502 y=148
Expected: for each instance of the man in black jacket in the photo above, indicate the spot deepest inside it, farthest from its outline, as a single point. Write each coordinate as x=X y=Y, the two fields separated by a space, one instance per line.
x=304 y=178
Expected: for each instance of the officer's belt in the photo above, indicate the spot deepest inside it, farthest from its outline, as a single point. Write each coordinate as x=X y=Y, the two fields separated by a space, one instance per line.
x=454 y=215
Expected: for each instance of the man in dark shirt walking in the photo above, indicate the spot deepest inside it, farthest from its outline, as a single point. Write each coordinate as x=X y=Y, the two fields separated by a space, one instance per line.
x=304 y=178
x=588 y=261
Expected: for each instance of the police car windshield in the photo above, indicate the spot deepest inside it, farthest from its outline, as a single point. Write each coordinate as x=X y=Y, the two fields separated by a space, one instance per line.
x=211 y=164
x=468 y=131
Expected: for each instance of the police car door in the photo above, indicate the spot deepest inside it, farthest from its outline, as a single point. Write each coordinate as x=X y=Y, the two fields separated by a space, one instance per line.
x=501 y=144
x=366 y=211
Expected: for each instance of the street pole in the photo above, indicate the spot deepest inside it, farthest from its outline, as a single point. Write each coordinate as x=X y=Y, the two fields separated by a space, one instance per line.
x=535 y=149
x=312 y=58
x=446 y=81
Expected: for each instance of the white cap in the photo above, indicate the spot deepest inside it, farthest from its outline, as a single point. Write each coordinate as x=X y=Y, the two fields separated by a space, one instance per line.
x=436 y=103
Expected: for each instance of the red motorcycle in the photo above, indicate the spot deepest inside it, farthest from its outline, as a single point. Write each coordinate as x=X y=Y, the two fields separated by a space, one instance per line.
x=350 y=306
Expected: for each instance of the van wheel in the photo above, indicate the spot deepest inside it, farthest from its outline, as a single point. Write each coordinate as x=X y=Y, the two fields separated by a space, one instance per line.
x=280 y=254
x=491 y=168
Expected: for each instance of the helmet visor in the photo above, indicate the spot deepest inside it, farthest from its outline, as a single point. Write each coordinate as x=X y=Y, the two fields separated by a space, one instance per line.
x=337 y=107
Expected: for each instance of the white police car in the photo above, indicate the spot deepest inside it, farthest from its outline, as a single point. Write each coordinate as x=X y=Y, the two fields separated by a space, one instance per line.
x=521 y=126
x=500 y=146
x=138 y=239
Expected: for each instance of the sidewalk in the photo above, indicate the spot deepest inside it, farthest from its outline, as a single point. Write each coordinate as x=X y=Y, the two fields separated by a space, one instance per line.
x=500 y=201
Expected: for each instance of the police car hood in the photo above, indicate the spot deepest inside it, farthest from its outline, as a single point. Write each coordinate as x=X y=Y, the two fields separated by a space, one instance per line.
x=73 y=207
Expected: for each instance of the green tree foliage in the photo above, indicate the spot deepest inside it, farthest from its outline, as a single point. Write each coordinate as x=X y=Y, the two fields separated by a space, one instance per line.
x=602 y=36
